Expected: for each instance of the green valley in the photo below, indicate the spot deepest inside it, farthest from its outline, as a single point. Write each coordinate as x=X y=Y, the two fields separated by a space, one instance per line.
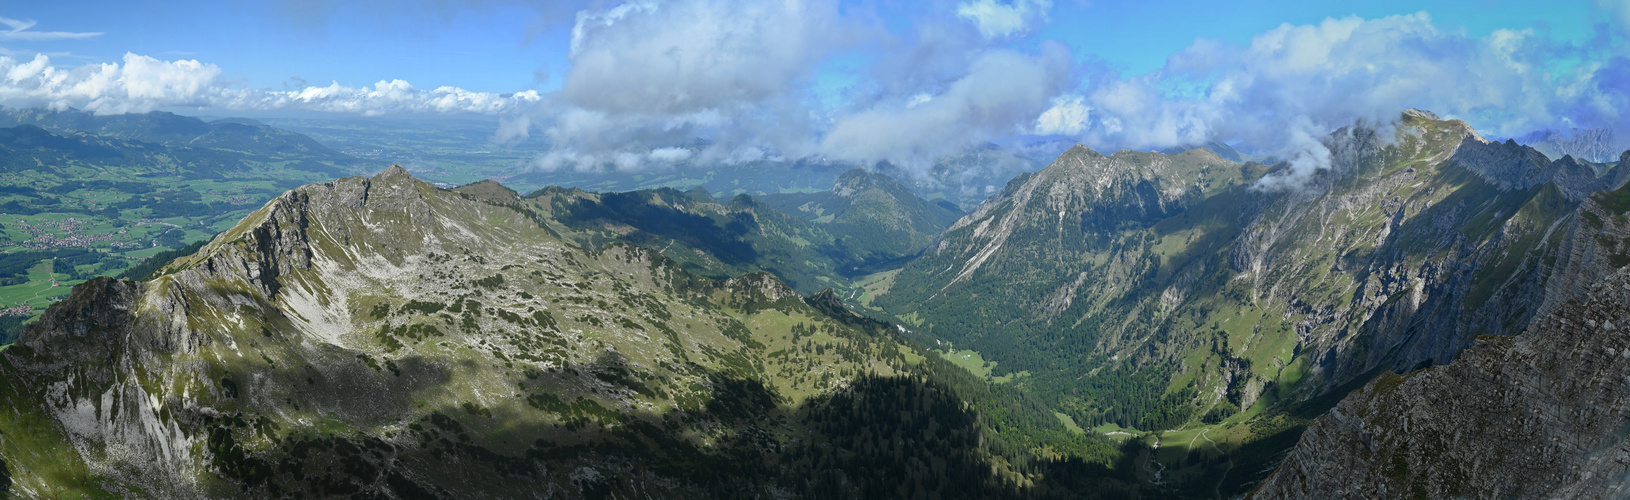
x=99 y=204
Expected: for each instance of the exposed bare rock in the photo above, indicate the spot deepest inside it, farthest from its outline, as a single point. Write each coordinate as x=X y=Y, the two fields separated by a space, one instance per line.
x=1539 y=415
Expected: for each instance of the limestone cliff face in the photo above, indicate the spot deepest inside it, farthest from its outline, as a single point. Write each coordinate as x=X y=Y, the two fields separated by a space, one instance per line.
x=1542 y=414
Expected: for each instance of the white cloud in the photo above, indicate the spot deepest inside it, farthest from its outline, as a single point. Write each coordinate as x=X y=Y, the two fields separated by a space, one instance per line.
x=681 y=57
x=996 y=20
x=513 y=129
x=140 y=84
x=735 y=72
x=143 y=83
x=1001 y=95
x=385 y=97
x=20 y=31
x=671 y=155
x=919 y=99
x=1068 y=116
x=1307 y=152
x=571 y=159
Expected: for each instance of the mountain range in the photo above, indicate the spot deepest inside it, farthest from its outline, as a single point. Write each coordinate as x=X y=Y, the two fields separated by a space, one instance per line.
x=1433 y=314
x=236 y=134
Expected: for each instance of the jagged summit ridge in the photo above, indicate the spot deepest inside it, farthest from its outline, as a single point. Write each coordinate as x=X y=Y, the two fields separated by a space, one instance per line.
x=1515 y=166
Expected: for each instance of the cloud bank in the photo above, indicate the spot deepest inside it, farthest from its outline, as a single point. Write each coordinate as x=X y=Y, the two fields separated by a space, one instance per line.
x=736 y=80
x=139 y=84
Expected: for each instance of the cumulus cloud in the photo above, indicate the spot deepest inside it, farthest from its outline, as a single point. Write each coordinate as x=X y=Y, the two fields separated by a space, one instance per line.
x=141 y=83
x=394 y=96
x=733 y=72
x=659 y=83
x=996 y=19
x=1068 y=116
x=1001 y=95
x=733 y=81
x=20 y=31
x=721 y=77
x=684 y=57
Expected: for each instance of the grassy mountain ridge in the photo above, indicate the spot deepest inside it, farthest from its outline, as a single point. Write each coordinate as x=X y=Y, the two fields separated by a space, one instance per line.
x=871 y=217
x=356 y=337
x=811 y=241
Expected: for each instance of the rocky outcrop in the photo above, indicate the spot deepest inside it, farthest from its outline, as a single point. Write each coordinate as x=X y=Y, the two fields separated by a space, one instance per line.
x=1542 y=414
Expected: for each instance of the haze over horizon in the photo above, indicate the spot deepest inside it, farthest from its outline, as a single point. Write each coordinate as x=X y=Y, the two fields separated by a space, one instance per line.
x=627 y=85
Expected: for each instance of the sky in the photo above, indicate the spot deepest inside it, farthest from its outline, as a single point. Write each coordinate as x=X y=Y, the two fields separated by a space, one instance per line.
x=627 y=85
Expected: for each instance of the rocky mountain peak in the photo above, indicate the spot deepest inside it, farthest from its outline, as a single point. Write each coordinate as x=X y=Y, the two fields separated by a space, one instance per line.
x=490 y=191
x=1079 y=150
x=1421 y=113
x=81 y=326
x=860 y=179
x=393 y=174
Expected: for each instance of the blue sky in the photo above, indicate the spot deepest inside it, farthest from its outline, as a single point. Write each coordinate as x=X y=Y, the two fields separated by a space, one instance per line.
x=1137 y=36
x=504 y=46
x=908 y=82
